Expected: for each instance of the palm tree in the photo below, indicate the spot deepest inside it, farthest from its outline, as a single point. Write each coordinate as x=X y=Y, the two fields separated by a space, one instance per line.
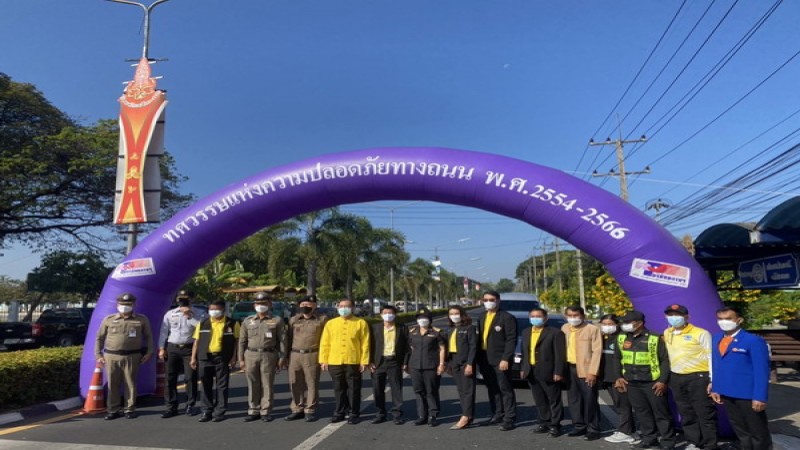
x=214 y=277
x=382 y=250
x=324 y=239
x=417 y=275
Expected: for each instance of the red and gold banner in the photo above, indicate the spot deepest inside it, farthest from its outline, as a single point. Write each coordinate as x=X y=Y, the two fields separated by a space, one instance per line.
x=141 y=144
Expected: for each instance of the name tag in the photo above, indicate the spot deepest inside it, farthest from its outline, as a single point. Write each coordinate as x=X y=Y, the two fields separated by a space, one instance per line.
x=518 y=359
x=132 y=333
x=269 y=334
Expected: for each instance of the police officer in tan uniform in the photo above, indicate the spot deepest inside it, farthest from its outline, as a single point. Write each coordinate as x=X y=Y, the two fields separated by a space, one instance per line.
x=304 y=334
x=262 y=352
x=124 y=341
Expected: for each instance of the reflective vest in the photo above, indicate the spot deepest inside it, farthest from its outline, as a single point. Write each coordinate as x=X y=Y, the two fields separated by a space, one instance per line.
x=649 y=358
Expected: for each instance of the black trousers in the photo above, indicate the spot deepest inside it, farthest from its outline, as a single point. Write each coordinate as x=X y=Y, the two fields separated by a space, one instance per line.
x=179 y=359
x=391 y=371
x=426 y=387
x=215 y=374
x=583 y=405
x=502 y=400
x=653 y=414
x=750 y=426
x=466 y=389
x=347 y=389
x=547 y=396
x=622 y=406
x=698 y=412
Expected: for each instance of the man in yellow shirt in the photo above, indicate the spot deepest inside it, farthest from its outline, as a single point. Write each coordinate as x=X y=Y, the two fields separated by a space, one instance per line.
x=215 y=343
x=344 y=352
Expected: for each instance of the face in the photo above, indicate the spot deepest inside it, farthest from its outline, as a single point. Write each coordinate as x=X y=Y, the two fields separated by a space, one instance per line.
x=311 y=305
x=636 y=324
x=386 y=311
x=453 y=312
x=216 y=308
x=538 y=314
x=607 y=322
x=346 y=304
x=729 y=315
x=573 y=315
x=490 y=298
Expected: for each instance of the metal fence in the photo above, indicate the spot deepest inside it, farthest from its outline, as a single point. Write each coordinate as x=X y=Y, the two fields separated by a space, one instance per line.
x=7 y=311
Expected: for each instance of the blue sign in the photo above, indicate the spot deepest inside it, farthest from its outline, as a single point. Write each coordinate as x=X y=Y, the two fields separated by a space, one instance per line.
x=773 y=272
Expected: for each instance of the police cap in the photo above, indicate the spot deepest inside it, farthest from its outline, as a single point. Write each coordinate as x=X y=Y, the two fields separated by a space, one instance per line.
x=680 y=309
x=261 y=297
x=126 y=299
x=632 y=316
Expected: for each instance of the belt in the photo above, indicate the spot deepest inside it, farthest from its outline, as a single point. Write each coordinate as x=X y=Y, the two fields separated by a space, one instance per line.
x=262 y=350
x=389 y=358
x=214 y=355
x=298 y=350
x=187 y=345
x=124 y=352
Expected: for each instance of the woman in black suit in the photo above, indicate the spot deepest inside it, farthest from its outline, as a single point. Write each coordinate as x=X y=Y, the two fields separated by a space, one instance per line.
x=462 y=345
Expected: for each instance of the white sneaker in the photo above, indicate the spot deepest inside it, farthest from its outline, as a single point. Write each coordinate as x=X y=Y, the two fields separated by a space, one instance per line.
x=620 y=438
x=691 y=447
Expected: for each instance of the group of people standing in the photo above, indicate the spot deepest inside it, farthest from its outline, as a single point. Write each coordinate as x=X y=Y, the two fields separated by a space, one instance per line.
x=620 y=354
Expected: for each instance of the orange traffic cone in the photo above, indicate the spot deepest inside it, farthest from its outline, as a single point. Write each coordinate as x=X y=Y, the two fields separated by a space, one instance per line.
x=95 y=400
x=161 y=379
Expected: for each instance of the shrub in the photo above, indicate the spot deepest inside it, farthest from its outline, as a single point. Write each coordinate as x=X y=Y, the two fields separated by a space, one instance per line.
x=41 y=375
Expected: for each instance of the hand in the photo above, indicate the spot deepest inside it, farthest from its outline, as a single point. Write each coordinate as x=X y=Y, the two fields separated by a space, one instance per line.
x=759 y=406
x=621 y=385
x=468 y=370
x=323 y=367
x=715 y=397
x=660 y=389
x=242 y=365
x=362 y=368
x=590 y=380
x=101 y=361
x=405 y=368
x=232 y=364
x=187 y=311
x=193 y=363
x=557 y=378
x=440 y=369
x=503 y=366
x=162 y=354
x=372 y=368
x=283 y=364
x=145 y=358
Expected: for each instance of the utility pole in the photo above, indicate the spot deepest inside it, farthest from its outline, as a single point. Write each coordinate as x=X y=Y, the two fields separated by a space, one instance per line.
x=622 y=174
x=544 y=265
x=558 y=268
x=533 y=265
x=579 y=257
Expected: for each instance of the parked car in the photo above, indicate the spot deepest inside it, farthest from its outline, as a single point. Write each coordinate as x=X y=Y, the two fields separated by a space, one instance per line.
x=62 y=327
x=17 y=336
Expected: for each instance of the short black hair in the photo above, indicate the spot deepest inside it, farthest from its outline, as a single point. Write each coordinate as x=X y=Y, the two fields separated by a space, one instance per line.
x=352 y=303
x=575 y=308
x=725 y=309
x=538 y=308
x=612 y=317
x=394 y=310
x=219 y=303
x=494 y=294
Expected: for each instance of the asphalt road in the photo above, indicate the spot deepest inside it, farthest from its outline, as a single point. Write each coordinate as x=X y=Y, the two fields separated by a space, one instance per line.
x=72 y=431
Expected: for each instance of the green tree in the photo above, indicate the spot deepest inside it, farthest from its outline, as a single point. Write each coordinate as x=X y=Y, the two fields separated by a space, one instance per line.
x=211 y=280
x=504 y=285
x=67 y=272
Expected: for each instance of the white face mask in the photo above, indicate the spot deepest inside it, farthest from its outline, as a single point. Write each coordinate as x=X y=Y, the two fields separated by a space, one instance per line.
x=423 y=322
x=388 y=317
x=124 y=309
x=608 y=329
x=455 y=319
x=215 y=313
x=628 y=327
x=574 y=321
x=490 y=305
x=727 y=325
x=344 y=312
x=262 y=308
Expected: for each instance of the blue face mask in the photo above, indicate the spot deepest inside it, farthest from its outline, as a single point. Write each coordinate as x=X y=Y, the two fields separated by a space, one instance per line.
x=676 y=321
x=537 y=321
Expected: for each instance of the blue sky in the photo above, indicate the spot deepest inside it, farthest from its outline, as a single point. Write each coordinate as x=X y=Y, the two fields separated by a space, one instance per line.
x=254 y=84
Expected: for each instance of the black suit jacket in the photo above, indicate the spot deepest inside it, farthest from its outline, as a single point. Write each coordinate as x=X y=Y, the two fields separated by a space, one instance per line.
x=502 y=339
x=466 y=345
x=376 y=343
x=550 y=352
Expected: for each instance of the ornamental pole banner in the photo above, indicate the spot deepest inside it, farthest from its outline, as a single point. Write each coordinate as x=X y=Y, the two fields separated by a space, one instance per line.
x=137 y=197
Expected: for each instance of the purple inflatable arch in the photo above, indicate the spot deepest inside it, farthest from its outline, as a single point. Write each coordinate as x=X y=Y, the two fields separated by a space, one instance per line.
x=649 y=263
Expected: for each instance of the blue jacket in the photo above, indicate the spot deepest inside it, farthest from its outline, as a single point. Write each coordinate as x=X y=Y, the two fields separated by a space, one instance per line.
x=743 y=371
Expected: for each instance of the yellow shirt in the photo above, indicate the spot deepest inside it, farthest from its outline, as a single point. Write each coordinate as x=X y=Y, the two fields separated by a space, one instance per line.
x=388 y=341
x=487 y=325
x=217 y=328
x=689 y=349
x=452 y=347
x=572 y=346
x=345 y=341
x=535 y=333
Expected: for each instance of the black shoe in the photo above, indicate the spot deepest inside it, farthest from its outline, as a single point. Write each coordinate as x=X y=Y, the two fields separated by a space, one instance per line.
x=494 y=420
x=130 y=415
x=252 y=417
x=205 y=418
x=541 y=429
x=112 y=416
x=169 y=413
x=190 y=411
x=311 y=418
x=576 y=433
x=555 y=432
x=218 y=419
x=506 y=427
x=295 y=416
x=353 y=420
x=399 y=421
x=421 y=421
x=433 y=422
x=336 y=419
x=378 y=419
x=646 y=444
x=267 y=418
x=591 y=436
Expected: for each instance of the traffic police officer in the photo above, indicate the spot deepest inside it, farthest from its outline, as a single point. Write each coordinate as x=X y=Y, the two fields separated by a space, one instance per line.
x=426 y=361
x=262 y=352
x=689 y=349
x=124 y=341
x=175 y=346
x=645 y=373
x=303 y=336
